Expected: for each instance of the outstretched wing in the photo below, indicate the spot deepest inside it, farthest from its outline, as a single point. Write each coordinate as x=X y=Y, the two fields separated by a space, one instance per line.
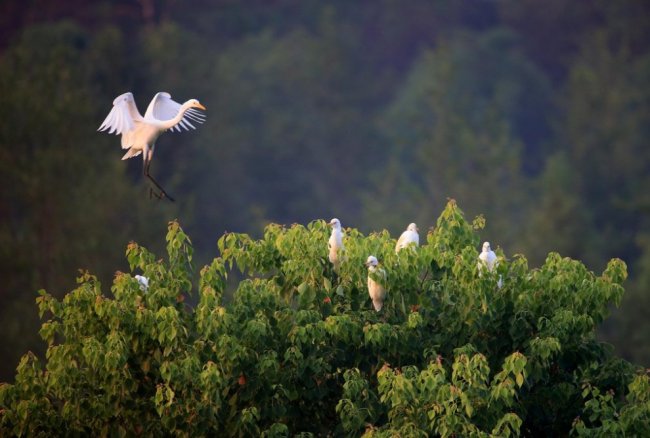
x=162 y=108
x=122 y=119
x=123 y=116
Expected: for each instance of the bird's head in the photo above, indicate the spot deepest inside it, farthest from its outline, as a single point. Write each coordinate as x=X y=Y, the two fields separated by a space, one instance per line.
x=413 y=227
x=486 y=246
x=196 y=104
x=335 y=223
x=372 y=261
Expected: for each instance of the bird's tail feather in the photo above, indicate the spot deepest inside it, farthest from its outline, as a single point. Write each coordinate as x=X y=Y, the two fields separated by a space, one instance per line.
x=132 y=152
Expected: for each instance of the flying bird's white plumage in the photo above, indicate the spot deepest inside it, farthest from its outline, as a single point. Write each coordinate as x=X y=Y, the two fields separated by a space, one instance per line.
x=139 y=134
x=376 y=288
x=335 y=243
x=409 y=236
x=143 y=282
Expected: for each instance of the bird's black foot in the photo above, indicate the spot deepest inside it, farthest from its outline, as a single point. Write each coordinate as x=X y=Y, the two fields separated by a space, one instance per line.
x=159 y=195
x=165 y=195
x=154 y=194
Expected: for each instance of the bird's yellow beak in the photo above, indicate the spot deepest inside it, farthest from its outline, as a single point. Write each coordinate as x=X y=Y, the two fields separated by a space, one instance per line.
x=201 y=106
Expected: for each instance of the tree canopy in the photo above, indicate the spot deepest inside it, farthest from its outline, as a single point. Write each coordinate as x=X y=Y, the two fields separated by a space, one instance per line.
x=298 y=349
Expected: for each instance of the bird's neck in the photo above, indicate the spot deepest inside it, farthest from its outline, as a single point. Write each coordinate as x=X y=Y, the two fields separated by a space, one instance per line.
x=181 y=112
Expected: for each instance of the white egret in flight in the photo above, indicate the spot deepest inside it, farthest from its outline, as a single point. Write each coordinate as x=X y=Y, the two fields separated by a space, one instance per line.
x=139 y=134
x=335 y=243
x=376 y=289
x=410 y=235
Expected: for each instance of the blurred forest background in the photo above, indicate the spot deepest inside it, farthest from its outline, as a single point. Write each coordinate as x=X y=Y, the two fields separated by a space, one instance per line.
x=533 y=113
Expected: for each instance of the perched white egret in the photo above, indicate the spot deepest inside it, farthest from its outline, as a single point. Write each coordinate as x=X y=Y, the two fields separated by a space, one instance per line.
x=335 y=243
x=143 y=282
x=410 y=235
x=376 y=289
x=139 y=134
x=488 y=259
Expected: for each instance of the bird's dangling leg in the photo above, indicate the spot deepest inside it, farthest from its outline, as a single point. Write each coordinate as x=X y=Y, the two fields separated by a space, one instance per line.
x=155 y=194
x=162 y=193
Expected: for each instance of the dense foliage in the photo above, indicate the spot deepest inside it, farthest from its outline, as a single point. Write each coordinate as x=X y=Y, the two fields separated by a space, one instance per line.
x=374 y=112
x=297 y=349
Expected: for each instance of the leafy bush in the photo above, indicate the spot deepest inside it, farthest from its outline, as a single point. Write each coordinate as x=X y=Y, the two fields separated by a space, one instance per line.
x=297 y=349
